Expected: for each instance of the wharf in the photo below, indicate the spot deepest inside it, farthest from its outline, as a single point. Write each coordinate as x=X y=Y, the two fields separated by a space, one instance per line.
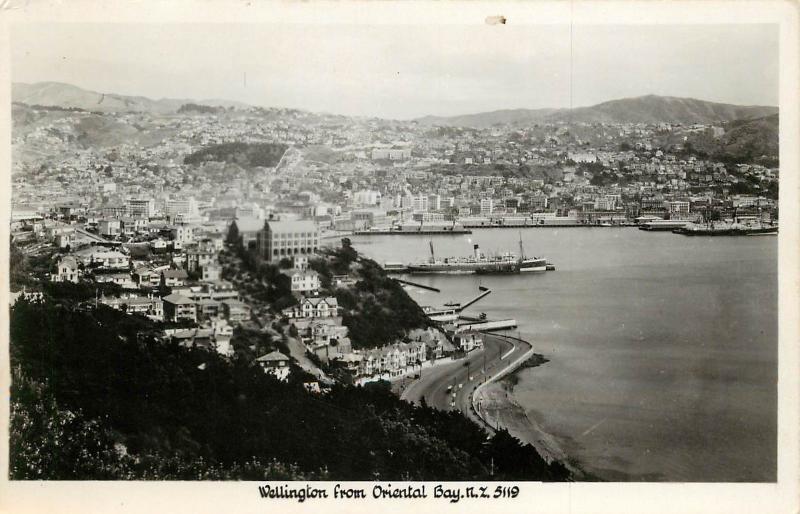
x=466 y=324
x=423 y=232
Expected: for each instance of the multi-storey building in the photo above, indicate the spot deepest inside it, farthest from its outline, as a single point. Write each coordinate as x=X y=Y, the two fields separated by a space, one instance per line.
x=141 y=207
x=279 y=239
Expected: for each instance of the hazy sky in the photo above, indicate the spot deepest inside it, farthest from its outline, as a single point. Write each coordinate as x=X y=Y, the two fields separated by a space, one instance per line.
x=402 y=71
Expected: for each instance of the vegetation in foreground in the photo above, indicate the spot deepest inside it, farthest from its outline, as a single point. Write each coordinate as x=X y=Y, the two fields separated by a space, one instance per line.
x=96 y=395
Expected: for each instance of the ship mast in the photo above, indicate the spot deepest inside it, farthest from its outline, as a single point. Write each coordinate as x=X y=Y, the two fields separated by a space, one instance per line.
x=433 y=257
x=521 y=251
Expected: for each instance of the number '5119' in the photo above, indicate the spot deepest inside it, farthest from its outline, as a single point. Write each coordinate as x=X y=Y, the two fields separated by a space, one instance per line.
x=506 y=492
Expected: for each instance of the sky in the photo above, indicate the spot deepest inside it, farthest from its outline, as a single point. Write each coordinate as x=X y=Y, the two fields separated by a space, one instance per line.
x=404 y=72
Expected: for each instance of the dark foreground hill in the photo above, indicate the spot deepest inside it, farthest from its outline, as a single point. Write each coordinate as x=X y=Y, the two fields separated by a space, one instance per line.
x=96 y=396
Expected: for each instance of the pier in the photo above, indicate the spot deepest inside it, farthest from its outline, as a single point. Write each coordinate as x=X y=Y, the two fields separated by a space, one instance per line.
x=421 y=286
x=417 y=232
x=484 y=325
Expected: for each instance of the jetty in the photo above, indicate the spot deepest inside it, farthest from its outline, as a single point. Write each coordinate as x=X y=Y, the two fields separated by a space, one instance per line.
x=465 y=324
x=416 y=231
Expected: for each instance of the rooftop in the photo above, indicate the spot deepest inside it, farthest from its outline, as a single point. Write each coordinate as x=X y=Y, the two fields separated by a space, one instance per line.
x=248 y=224
x=273 y=357
x=292 y=226
x=177 y=299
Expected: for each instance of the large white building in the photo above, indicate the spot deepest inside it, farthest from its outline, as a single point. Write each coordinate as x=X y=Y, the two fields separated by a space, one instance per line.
x=279 y=239
x=392 y=154
x=182 y=209
x=487 y=206
x=141 y=207
x=367 y=198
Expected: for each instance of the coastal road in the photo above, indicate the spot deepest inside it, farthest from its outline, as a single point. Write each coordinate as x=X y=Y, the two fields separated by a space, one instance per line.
x=449 y=387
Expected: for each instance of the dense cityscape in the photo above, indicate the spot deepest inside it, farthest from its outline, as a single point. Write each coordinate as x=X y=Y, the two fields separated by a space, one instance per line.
x=226 y=230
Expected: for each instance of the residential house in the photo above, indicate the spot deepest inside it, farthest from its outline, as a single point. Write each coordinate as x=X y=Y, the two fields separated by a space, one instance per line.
x=468 y=341
x=304 y=281
x=196 y=260
x=182 y=234
x=121 y=279
x=314 y=307
x=110 y=259
x=211 y=272
x=275 y=363
x=207 y=308
x=132 y=226
x=393 y=360
x=151 y=307
x=178 y=308
x=193 y=337
x=235 y=311
x=109 y=227
x=68 y=270
x=145 y=276
x=436 y=343
x=174 y=277
x=221 y=290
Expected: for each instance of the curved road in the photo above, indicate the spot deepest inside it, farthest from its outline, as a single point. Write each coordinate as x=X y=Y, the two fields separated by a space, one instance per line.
x=448 y=387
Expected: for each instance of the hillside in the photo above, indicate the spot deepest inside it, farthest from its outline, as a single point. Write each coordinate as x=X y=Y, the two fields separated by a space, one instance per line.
x=754 y=141
x=643 y=109
x=127 y=406
x=747 y=140
x=487 y=119
x=656 y=109
x=76 y=129
x=67 y=95
x=243 y=154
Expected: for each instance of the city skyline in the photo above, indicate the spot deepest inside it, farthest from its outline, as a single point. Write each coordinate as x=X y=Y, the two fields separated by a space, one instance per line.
x=437 y=71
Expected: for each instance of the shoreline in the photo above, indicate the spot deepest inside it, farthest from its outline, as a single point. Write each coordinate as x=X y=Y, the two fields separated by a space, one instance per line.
x=490 y=404
x=494 y=406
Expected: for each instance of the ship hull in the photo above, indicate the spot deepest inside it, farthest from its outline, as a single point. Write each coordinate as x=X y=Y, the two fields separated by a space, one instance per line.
x=533 y=266
x=480 y=268
x=464 y=268
x=728 y=231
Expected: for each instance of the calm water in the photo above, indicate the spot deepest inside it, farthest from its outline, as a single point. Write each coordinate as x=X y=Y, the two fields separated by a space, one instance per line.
x=663 y=348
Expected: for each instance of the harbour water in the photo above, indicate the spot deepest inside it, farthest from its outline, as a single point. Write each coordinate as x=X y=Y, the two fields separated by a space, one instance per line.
x=663 y=349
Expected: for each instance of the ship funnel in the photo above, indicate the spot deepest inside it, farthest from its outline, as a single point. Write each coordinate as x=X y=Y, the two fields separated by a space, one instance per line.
x=477 y=251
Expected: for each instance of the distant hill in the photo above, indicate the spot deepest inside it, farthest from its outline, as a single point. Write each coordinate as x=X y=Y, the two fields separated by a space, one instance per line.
x=643 y=109
x=752 y=137
x=69 y=96
x=243 y=154
x=744 y=141
x=487 y=119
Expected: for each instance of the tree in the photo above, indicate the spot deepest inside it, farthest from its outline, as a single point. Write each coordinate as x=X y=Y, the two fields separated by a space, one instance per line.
x=48 y=442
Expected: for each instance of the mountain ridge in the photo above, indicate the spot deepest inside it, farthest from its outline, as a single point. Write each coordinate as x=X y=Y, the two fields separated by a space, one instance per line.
x=61 y=94
x=641 y=109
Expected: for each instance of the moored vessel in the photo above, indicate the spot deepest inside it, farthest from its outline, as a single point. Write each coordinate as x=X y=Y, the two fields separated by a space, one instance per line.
x=479 y=263
x=663 y=225
x=728 y=229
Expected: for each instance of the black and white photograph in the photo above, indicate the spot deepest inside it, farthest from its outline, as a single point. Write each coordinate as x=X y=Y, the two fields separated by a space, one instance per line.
x=346 y=258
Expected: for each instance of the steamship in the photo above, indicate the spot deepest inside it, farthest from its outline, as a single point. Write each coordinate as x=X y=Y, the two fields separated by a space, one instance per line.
x=479 y=263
